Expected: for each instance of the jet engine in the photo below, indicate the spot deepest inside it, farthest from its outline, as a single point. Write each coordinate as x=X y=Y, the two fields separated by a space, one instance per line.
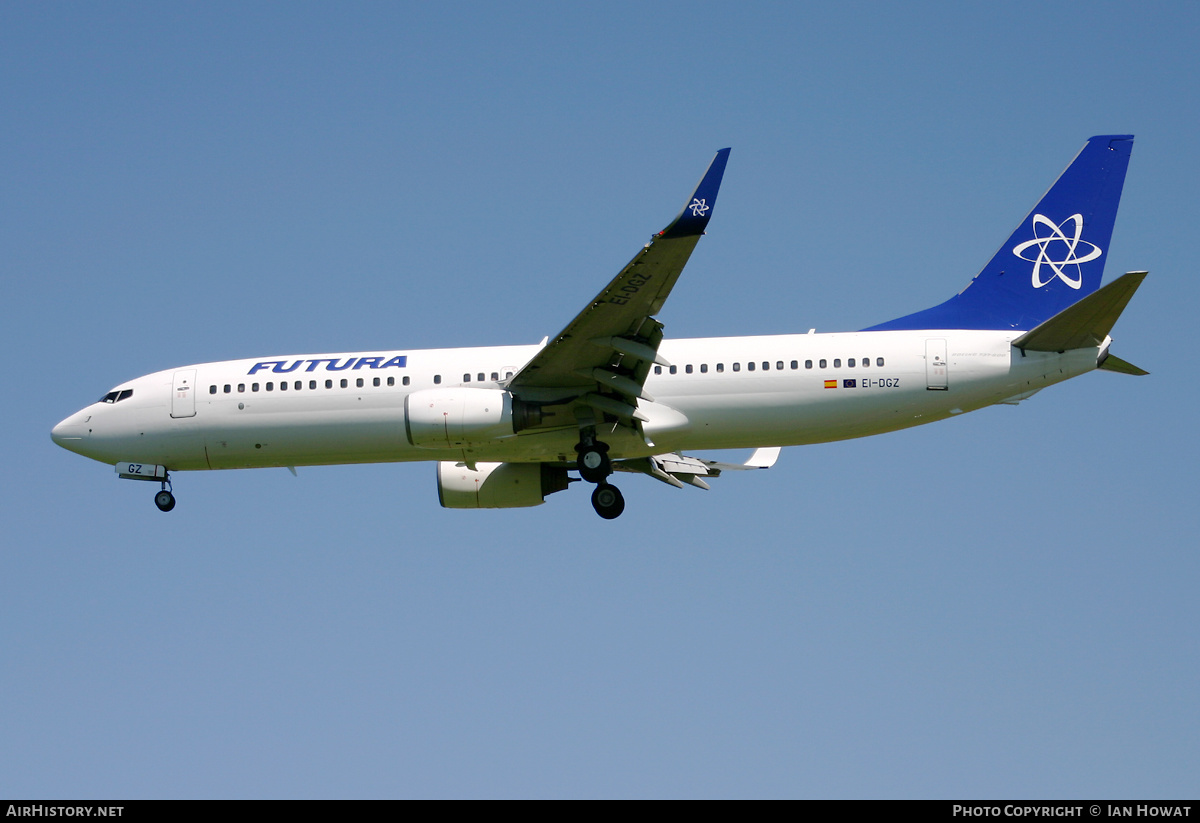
x=497 y=485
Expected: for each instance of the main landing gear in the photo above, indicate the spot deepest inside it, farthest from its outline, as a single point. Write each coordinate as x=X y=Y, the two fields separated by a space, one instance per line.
x=595 y=467
x=608 y=501
x=593 y=462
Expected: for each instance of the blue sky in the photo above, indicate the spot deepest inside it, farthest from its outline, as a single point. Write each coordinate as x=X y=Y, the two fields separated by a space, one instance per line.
x=999 y=605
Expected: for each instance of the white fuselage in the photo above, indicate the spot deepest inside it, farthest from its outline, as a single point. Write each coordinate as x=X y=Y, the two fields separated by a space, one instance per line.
x=721 y=393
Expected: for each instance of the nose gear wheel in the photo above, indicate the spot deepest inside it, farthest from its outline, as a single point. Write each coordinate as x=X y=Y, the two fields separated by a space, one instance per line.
x=164 y=499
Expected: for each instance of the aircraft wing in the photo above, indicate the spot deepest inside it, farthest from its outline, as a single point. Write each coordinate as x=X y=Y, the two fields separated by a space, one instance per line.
x=605 y=353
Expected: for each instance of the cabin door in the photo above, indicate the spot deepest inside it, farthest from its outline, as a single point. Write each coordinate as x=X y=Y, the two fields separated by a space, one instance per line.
x=183 y=393
x=936 y=378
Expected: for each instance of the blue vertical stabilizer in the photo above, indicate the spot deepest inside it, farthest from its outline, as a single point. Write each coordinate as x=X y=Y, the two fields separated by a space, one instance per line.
x=1054 y=258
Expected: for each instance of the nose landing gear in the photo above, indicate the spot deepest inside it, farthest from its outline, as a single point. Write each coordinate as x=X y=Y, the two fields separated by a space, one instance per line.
x=146 y=471
x=164 y=500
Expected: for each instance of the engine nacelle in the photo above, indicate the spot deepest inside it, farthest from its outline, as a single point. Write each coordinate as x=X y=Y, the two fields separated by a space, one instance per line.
x=446 y=418
x=497 y=485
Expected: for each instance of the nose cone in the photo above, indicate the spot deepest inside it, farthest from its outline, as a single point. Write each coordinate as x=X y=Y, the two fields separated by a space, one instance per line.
x=71 y=433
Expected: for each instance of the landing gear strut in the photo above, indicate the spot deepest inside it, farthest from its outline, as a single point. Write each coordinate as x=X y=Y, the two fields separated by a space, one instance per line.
x=595 y=467
x=164 y=499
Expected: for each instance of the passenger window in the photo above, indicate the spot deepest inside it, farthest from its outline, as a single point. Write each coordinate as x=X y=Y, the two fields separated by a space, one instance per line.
x=658 y=369
x=212 y=389
x=299 y=385
x=737 y=366
x=241 y=387
x=359 y=382
x=345 y=383
x=253 y=387
x=795 y=365
x=495 y=375
x=779 y=365
x=480 y=378
x=391 y=381
x=227 y=388
x=823 y=362
x=749 y=366
x=850 y=363
x=808 y=364
x=720 y=368
x=674 y=369
x=866 y=361
x=688 y=368
x=437 y=380
x=270 y=386
x=507 y=375
x=837 y=362
x=376 y=381
x=766 y=366
x=282 y=385
x=878 y=361
x=704 y=368
x=405 y=380
x=312 y=384
x=466 y=378
x=329 y=384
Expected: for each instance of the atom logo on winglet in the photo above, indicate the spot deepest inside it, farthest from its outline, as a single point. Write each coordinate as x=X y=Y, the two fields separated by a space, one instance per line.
x=699 y=207
x=1048 y=244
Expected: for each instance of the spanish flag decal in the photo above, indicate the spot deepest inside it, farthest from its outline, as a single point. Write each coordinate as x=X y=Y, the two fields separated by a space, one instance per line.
x=831 y=384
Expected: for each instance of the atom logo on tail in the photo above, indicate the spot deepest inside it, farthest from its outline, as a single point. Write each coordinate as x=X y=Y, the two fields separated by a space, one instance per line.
x=1049 y=244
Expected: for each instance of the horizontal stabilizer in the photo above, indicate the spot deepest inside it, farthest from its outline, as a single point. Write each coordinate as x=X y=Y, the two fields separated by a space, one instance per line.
x=1085 y=324
x=763 y=458
x=680 y=469
x=1112 y=363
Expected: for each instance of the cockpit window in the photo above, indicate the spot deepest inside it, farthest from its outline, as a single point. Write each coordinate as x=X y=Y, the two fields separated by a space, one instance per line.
x=116 y=396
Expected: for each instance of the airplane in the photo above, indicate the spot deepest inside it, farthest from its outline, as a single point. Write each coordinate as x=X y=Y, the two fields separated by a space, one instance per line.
x=508 y=425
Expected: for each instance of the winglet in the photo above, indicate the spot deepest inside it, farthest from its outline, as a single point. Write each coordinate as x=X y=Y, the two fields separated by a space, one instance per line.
x=697 y=210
